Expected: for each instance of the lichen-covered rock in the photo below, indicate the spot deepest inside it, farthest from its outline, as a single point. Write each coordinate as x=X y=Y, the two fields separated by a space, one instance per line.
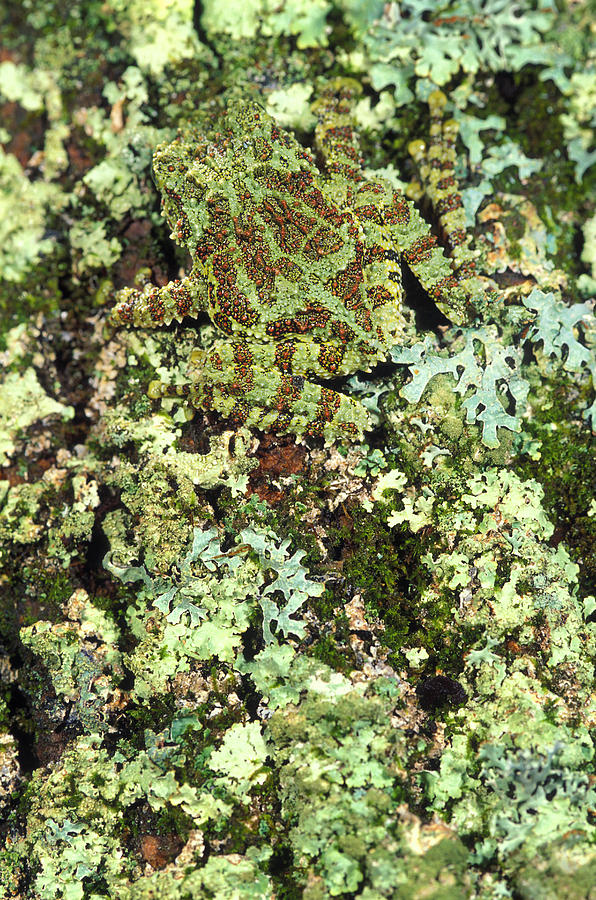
x=243 y=666
x=298 y=268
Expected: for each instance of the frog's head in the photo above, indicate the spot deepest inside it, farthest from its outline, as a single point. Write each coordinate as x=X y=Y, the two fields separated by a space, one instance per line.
x=167 y=161
x=257 y=135
x=247 y=118
x=170 y=164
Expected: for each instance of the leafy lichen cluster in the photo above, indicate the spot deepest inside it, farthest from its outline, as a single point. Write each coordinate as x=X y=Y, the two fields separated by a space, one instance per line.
x=239 y=665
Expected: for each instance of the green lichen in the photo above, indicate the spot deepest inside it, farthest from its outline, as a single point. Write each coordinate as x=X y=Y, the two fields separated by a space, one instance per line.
x=231 y=877
x=19 y=513
x=81 y=657
x=209 y=604
x=161 y=511
x=303 y=671
x=77 y=851
x=524 y=594
x=23 y=401
x=341 y=783
x=305 y=19
x=438 y=42
x=556 y=327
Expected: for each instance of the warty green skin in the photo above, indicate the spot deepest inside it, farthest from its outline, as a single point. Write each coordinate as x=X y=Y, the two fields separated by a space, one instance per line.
x=299 y=269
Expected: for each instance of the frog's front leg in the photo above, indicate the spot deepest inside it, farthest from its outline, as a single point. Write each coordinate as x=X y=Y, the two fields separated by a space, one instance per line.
x=253 y=384
x=151 y=306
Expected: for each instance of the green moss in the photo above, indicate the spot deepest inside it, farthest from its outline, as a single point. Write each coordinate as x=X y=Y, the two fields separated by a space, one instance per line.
x=12 y=866
x=386 y=566
x=374 y=558
x=565 y=466
x=51 y=588
x=331 y=649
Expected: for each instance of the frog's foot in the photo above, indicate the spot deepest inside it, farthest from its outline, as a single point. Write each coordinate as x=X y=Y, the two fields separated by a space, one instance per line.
x=251 y=391
x=153 y=306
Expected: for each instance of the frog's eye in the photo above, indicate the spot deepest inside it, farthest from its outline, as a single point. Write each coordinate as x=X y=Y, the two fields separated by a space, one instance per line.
x=171 y=168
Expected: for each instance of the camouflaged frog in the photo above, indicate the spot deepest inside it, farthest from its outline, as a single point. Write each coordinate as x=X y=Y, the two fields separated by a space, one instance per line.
x=298 y=268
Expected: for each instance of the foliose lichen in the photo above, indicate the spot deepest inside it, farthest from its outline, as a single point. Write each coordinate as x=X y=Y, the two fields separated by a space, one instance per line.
x=239 y=664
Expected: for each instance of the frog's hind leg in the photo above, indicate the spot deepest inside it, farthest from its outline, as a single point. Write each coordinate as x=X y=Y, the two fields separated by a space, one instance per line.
x=436 y=166
x=405 y=235
x=251 y=385
x=410 y=239
x=151 y=306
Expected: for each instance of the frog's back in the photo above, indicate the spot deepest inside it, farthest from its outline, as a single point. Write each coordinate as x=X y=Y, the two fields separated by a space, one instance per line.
x=282 y=251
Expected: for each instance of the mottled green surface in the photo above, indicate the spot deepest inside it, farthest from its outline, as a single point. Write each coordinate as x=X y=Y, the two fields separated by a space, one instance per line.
x=242 y=664
x=298 y=268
